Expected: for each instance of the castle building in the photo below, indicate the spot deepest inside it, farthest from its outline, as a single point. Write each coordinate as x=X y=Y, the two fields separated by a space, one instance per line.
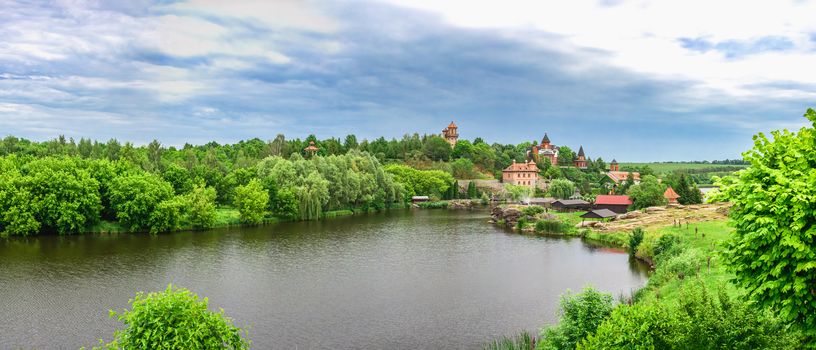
x=581 y=162
x=620 y=177
x=451 y=134
x=522 y=174
x=544 y=151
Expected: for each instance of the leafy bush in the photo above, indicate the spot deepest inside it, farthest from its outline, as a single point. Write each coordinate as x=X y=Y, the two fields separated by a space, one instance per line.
x=635 y=238
x=532 y=210
x=580 y=316
x=698 y=321
x=667 y=246
x=680 y=266
x=521 y=223
x=174 y=319
x=167 y=215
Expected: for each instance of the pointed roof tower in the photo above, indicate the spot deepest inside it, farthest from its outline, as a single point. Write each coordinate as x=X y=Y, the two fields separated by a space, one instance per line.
x=546 y=139
x=581 y=151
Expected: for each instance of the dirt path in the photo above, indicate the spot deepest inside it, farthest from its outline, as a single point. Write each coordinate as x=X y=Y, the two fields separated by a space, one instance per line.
x=663 y=216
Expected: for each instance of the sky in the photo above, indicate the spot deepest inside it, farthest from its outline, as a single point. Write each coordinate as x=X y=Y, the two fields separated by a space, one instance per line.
x=631 y=80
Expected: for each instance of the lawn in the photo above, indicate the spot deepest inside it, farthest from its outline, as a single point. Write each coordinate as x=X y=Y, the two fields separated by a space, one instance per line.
x=706 y=237
x=664 y=168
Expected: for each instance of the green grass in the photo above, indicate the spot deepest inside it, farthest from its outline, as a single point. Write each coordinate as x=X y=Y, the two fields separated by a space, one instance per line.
x=663 y=168
x=226 y=216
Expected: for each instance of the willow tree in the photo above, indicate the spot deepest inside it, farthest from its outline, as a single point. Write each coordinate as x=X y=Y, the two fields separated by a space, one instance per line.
x=773 y=249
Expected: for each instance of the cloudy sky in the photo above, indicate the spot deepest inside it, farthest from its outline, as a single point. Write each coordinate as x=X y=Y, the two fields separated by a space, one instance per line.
x=633 y=80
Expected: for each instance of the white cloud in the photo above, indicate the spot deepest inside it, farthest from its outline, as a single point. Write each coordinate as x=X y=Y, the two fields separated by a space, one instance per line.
x=288 y=14
x=643 y=36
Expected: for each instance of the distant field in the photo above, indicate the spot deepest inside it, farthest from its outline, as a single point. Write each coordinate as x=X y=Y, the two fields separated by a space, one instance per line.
x=669 y=167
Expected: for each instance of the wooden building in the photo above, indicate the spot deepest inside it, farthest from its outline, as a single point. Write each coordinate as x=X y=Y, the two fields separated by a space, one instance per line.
x=670 y=195
x=616 y=203
x=570 y=205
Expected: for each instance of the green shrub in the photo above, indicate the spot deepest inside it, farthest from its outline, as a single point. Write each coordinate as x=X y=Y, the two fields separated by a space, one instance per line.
x=549 y=226
x=532 y=210
x=522 y=341
x=696 y=320
x=635 y=238
x=251 y=201
x=580 y=316
x=521 y=223
x=434 y=205
x=667 y=246
x=680 y=266
x=174 y=319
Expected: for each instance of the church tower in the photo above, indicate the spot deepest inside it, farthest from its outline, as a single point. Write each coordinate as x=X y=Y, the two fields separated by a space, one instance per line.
x=451 y=134
x=581 y=162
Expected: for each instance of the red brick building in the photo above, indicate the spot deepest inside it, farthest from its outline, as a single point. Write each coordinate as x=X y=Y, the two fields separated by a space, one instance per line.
x=581 y=162
x=545 y=151
x=451 y=134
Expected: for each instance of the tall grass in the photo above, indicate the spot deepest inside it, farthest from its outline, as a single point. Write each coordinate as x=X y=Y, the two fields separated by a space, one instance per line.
x=522 y=341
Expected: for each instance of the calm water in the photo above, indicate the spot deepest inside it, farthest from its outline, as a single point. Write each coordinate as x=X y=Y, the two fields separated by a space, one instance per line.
x=398 y=280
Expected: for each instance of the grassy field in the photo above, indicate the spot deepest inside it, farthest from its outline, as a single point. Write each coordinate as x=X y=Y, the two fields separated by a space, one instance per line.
x=662 y=168
x=706 y=239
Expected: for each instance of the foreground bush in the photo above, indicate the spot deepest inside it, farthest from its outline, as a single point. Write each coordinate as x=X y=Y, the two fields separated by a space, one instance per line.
x=698 y=320
x=580 y=316
x=773 y=250
x=174 y=319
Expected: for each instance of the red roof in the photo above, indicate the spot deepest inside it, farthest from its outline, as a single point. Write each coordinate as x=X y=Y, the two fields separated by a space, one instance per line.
x=670 y=194
x=522 y=167
x=451 y=126
x=613 y=199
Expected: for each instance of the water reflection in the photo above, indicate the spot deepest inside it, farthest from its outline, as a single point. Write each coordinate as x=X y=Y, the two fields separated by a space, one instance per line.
x=405 y=279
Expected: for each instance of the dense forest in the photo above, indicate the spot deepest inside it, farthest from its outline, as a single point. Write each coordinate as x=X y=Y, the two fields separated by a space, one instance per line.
x=65 y=186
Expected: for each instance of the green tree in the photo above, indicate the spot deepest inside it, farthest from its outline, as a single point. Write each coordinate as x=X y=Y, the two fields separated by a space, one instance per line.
x=462 y=168
x=566 y=156
x=561 y=188
x=286 y=204
x=648 y=193
x=174 y=319
x=167 y=215
x=135 y=196
x=436 y=148
x=251 y=200
x=773 y=251
x=200 y=205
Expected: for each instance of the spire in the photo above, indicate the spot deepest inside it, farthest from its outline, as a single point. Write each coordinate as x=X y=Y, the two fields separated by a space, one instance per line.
x=452 y=125
x=546 y=139
x=581 y=151
x=614 y=161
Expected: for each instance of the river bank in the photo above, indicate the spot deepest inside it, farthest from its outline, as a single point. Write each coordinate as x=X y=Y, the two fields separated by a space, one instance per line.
x=683 y=247
x=226 y=217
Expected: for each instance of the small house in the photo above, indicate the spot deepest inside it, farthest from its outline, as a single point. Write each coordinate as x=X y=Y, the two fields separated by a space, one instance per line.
x=420 y=199
x=570 y=205
x=671 y=196
x=616 y=203
x=599 y=214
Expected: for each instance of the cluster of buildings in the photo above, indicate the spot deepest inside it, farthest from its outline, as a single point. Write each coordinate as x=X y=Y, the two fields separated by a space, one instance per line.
x=526 y=173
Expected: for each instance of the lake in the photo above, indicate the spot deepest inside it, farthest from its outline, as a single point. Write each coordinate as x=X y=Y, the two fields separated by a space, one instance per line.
x=403 y=279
